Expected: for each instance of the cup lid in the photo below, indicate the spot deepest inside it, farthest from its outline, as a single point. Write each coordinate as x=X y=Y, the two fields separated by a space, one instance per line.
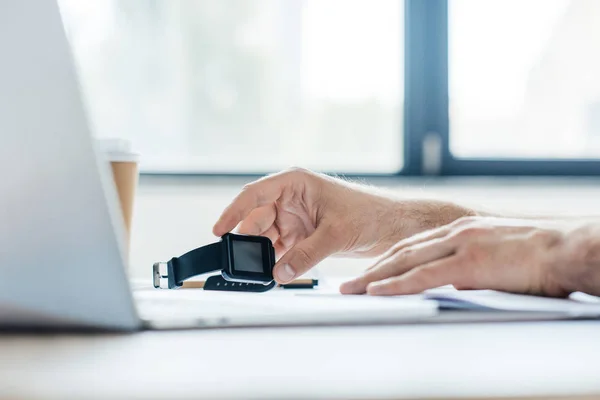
x=117 y=149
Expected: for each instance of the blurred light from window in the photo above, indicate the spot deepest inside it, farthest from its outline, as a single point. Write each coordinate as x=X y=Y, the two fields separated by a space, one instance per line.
x=524 y=80
x=245 y=85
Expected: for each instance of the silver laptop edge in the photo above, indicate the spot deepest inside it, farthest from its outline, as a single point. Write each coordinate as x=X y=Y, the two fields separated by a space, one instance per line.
x=61 y=253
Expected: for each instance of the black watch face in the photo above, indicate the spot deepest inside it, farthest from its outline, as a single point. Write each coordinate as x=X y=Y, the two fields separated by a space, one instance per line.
x=251 y=258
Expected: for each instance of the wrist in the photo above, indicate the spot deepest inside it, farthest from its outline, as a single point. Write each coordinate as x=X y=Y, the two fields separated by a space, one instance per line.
x=416 y=216
x=577 y=264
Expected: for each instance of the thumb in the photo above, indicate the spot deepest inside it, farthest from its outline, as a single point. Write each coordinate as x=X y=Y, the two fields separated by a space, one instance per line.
x=304 y=255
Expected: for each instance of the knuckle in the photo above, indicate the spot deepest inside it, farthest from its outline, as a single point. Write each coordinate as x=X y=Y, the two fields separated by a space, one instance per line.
x=462 y=221
x=247 y=189
x=301 y=258
x=404 y=243
x=257 y=228
x=248 y=186
x=546 y=236
x=253 y=190
x=297 y=171
x=471 y=231
x=296 y=176
x=336 y=230
x=372 y=275
x=404 y=254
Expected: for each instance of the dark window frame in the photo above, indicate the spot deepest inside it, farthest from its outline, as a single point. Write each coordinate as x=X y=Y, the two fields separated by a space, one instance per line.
x=433 y=14
x=426 y=127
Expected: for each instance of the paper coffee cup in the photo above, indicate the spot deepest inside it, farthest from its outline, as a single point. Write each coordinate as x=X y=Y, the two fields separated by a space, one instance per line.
x=124 y=164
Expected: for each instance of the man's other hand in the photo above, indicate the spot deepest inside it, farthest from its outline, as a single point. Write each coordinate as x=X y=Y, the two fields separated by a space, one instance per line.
x=522 y=256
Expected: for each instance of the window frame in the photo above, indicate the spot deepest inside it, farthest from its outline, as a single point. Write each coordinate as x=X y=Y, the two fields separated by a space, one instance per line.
x=426 y=125
x=436 y=16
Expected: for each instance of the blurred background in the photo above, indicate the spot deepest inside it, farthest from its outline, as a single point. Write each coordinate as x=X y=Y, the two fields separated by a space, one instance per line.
x=199 y=83
x=224 y=91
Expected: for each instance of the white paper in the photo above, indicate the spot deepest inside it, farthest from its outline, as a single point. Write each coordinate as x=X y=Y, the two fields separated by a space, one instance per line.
x=447 y=297
x=495 y=300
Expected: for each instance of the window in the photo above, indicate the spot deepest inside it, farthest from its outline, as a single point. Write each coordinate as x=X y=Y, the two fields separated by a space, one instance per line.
x=524 y=78
x=245 y=85
x=448 y=87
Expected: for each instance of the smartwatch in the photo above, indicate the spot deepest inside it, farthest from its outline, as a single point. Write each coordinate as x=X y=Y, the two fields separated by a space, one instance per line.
x=240 y=258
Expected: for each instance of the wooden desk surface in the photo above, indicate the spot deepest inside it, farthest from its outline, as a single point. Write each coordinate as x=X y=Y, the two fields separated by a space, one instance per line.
x=436 y=361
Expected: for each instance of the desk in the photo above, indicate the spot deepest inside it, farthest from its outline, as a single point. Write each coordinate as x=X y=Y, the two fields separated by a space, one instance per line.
x=427 y=361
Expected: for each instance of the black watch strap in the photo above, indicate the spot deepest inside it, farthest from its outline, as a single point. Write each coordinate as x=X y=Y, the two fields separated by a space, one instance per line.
x=217 y=282
x=170 y=275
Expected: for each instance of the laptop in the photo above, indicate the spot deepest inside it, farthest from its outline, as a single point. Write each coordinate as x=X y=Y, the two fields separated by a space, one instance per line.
x=61 y=231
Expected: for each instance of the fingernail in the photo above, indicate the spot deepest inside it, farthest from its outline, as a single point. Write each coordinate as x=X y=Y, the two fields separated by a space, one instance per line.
x=376 y=288
x=351 y=287
x=285 y=273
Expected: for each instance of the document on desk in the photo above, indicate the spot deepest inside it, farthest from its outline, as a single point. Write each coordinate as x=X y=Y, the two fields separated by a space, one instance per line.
x=193 y=308
x=325 y=305
x=577 y=306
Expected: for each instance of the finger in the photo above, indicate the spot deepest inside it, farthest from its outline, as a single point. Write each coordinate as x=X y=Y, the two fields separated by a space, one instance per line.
x=412 y=241
x=261 y=193
x=305 y=255
x=401 y=262
x=280 y=248
x=272 y=233
x=435 y=274
x=258 y=221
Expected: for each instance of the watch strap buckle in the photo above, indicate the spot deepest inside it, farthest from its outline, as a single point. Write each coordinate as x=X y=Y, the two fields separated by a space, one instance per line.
x=163 y=276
